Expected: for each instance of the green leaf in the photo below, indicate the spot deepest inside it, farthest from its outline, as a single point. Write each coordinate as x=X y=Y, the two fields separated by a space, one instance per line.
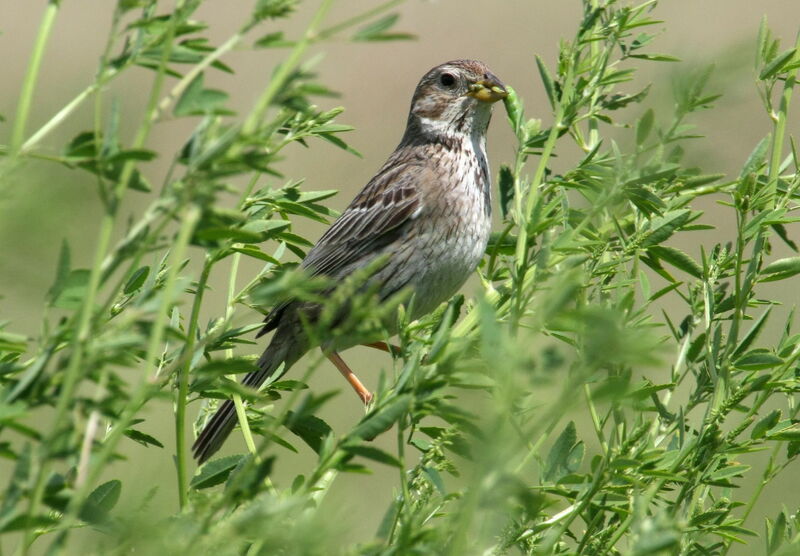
x=644 y=126
x=644 y=199
x=547 y=81
x=377 y=31
x=663 y=227
x=756 y=158
x=256 y=253
x=196 y=100
x=760 y=429
x=310 y=428
x=272 y=40
x=781 y=269
x=216 y=233
x=436 y=479
x=757 y=359
x=62 y=273
x=565 y=455
x=230 y=366
x=506 y=185
x=729 y=471
x=382 y=419
x=73 y=290
x=678 y=259
x=136 y=280
x=101 y=501
x=27 y=522
x=215 y=472
x=776 y=533
x=14 y=343
x=785 y=430
x=272 y=9
x=777 y=64
x=142 y=438
x=752 y=334
x=656 y=57
x=375 y=454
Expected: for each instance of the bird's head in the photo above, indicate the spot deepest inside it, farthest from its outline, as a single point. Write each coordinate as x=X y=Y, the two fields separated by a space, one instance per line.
x=455 y=99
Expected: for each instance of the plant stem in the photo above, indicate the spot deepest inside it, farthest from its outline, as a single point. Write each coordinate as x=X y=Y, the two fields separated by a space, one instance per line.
x=188 y=222
x=29 y=84
x=333 y=29
x=241 y=415
x=284 y=70
x=183 y=385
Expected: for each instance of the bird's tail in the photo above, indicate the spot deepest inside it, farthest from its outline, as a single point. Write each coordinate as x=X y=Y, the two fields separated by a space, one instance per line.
x=280 y=350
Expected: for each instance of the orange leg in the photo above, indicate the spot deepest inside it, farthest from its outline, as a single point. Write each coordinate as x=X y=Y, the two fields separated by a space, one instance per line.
x=350 y=377
x=383 y=346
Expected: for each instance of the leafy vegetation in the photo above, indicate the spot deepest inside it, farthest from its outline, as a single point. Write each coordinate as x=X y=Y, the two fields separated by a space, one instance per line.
x=606 y=393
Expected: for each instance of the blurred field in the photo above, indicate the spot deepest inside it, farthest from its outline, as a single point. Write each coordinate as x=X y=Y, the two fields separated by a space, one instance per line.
x=44 y=203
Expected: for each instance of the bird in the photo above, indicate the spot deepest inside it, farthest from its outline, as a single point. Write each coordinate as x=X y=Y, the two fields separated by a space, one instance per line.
x=424 y=218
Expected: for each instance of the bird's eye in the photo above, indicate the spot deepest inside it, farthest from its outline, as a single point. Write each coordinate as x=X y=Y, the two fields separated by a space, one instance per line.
x=447 y=80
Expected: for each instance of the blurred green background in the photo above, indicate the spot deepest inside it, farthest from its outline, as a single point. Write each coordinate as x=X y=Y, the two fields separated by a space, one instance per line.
x=43 y=203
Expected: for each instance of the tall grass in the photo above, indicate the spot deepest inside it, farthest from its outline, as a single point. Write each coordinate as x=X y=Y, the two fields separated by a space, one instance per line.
x=485 y=392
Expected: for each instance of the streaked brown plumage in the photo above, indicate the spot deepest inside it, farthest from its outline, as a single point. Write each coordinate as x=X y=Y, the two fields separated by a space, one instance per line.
x=427 y=211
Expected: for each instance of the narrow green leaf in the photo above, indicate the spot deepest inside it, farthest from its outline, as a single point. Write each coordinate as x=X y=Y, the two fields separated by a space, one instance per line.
x=752 y=334
x=760 y=429
x=756 y=360
x=656 y=57
x=789 y=432
x=756 y=158
x=730 y=471
x=644 y=126
x=215 y=472
x=777 y=64
x=547 y=81
x=375 y=454
x=230 y=366
x=781 y=269
x=382 y=419
x=136 y=280
x=62 y=273
x=678 y=259
x=663 y=227
x=377 y=31
x=142 y=438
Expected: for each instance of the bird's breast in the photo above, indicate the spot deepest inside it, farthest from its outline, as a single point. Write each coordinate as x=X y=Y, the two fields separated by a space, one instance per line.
x=455 y=232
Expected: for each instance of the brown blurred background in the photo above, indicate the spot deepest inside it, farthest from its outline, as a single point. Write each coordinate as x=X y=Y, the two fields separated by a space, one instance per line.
x=44 y=203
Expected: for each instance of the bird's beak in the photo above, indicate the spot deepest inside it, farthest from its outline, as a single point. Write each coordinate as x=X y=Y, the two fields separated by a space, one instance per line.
x=488 y=90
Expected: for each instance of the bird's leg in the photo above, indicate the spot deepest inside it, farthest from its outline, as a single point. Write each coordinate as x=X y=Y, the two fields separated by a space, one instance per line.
x=350 y=377
x=388 y=348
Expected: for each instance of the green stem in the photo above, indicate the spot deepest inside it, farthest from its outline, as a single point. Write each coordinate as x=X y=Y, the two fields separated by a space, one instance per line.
x=284 y=70
x=197 y=69
x=183 y=386
x=333 y=29
x=148 y=377
x=29 y=84
x=524 y=218
x=60 y=116
x=81 y=338
x=241 y=415
x=780 y=130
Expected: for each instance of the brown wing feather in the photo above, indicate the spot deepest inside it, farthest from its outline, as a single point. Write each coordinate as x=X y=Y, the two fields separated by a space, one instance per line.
x=375 y=218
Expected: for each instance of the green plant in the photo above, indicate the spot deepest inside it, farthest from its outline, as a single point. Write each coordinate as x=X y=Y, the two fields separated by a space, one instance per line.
x=482 y=398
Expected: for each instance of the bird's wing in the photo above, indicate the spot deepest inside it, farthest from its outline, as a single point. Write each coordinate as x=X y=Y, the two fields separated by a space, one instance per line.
x=375 y=218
